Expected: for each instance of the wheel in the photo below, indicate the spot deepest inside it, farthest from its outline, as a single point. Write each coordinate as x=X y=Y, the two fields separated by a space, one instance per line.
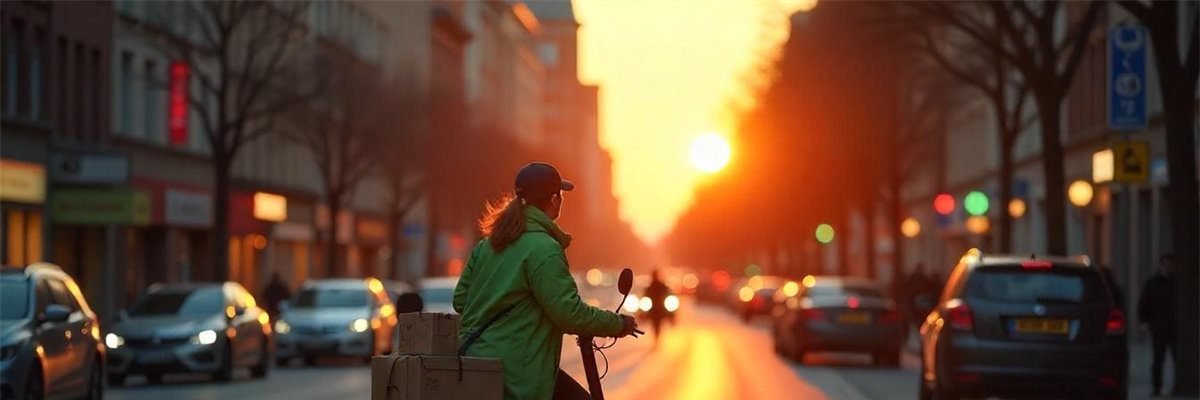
x=35 y=389
x=925 y=393
x=96 y=381
x=153 y=378
x=264 y=361
x=310 y=361
x=225 y=373
x=116 y=380
x=940 y=393
x=887 y=358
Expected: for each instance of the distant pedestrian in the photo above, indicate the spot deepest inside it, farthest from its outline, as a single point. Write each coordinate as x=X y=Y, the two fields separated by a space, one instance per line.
x=277 y=291
x=915 y=285
x=1156 y=311
x=657 y=292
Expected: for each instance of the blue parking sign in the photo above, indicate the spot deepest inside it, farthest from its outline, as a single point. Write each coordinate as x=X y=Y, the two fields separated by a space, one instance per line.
x=1127 y=78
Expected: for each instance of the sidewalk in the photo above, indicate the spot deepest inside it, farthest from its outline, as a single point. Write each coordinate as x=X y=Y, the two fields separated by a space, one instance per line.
x=1140 y=357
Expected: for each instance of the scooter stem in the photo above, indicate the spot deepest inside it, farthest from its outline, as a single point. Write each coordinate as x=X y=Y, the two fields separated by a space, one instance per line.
x=589 y=367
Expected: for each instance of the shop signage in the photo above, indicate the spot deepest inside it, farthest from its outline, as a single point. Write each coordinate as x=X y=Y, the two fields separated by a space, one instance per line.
x=100 y=207
x=371 y=231
x=89 y=168
x=22 y=182
x=177 y=117
x=292 y=232
x=184 y=208
x=270 y=207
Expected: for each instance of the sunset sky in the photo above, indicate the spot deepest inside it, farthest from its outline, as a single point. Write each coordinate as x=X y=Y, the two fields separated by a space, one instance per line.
x=669 y=71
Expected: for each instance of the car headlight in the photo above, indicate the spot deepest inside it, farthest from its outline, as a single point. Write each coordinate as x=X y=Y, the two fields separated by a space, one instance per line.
x=360 y=325
x=671 y=303
x=645 y=304
x=282 y=327
x=205 y=338
x=9 y=351
x=113 y=341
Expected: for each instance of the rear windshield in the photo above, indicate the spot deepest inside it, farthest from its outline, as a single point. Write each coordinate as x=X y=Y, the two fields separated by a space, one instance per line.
x=185 y=303
x=14 y=298
x=437 y=295
x=1049 y=286
x=844 y=291
x=331 y=298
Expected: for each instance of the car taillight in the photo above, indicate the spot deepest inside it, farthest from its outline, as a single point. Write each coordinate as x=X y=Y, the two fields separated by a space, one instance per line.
x=958 y=314
x=890 y=317
x=1116 y=322
x=1036 y=265
x=813 y=314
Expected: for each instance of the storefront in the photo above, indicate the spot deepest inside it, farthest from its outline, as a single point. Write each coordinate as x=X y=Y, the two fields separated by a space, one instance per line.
x=22 y=193
x=174 y=246
x=371 y=236
x=290 y=244
x=91 y=230
x=345 y=255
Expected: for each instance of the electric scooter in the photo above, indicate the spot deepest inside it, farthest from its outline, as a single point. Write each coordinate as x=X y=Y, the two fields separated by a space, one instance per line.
x=587 y=348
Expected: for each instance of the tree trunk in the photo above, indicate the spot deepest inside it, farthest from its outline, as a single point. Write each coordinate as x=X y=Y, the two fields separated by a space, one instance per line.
x=842 y=241
x=331 y=236
x=219 y=243
x=870 y=243
x=1184 y=198
x=1006 y=192
x=395 y=221
x=896 y=217
x=1053 y=180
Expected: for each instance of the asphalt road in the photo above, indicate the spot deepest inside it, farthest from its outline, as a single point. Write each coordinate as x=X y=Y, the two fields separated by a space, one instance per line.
x=706 y=355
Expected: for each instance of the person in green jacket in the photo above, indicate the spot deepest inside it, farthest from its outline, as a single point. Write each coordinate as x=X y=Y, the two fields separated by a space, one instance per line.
x=518 y=279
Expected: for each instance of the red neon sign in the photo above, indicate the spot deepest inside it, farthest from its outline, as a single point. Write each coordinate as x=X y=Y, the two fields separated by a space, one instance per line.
x=177 y=110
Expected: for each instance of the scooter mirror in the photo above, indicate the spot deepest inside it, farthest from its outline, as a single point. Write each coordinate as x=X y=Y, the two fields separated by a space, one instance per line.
x=625 y=282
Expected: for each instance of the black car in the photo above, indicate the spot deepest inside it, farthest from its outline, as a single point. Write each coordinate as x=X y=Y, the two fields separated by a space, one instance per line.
x=195 y=327
x=49 y=337
x=1024 y=326
x=840 y=314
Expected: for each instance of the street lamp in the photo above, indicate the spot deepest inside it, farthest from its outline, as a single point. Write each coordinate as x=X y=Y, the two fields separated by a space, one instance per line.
x=910 y=227
x=1080 y=193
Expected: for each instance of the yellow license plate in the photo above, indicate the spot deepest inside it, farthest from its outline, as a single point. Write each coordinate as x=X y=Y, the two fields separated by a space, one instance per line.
x=854 y=318
x=1042 y=325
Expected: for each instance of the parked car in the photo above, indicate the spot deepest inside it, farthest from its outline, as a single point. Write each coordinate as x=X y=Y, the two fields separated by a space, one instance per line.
x=438 y=294
x=1021 y=325
x=337 y=317
x=840 y=314
x=49 y=337
x=190 y=327
x=755 y=296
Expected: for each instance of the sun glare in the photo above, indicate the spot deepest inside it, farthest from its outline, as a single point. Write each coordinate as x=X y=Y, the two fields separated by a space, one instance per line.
x=710 y=152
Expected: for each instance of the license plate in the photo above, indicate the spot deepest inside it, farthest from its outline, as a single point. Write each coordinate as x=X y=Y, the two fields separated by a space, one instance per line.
x=1043 y=326
x=317 y=345
x=854 y=318
x=155 y=357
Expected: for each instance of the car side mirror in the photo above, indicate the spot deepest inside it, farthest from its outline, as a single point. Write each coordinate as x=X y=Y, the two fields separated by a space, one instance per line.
x=238 y=311
x=56 y=313
x=625 y=282
x=923 y=303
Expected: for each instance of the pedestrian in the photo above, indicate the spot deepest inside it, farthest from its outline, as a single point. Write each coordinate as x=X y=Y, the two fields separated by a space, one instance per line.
x=657 y=292
x=1156 y=311
x=516 y=294
x=915 y=284
x=276 y=292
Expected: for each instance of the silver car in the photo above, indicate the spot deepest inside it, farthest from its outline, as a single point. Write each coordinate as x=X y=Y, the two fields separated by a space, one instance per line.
x=210 y=328
x=336 y=317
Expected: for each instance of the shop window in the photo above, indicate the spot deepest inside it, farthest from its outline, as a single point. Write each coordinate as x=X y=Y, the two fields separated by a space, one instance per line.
x=22 y=237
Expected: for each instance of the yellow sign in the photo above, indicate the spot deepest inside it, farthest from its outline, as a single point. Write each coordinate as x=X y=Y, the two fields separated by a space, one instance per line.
x=1131 y=162
x=22 y=182
x=270 y=207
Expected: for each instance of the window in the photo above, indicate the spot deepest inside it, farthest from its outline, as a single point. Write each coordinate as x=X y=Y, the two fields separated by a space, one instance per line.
x=35 y=75
x=97 y=101
x=12 y=69
x=61 y=295
x=125 y=94
x=81 y=88
x=183 y=302
x=149 y=101
x=1052 y=286
x=42 y=298
x=548 y=52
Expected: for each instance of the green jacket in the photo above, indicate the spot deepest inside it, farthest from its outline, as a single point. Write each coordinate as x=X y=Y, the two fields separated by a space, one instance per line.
x=532 y=274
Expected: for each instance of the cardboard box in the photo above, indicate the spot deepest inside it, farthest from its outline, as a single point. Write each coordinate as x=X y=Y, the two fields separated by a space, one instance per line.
x=419 y=377
x=432 y=334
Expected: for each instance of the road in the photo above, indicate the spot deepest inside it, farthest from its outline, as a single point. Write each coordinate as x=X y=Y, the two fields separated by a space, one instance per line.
x=707 y=355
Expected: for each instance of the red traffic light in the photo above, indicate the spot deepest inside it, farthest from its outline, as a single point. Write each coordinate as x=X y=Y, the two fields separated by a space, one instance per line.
x=943 y=204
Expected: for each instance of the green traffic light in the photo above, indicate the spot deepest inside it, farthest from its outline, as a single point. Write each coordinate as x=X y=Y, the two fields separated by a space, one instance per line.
x=824 y=233
x=976 y=203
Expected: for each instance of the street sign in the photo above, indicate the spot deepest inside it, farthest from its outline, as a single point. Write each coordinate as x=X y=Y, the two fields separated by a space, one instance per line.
x=1132 y=162
x=1127 y=78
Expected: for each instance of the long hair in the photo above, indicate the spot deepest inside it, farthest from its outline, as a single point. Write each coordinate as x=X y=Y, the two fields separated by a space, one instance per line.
x=503 y=222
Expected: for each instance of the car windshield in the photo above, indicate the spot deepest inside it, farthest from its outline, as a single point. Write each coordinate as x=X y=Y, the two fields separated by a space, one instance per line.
x=844 y=290
x=185 y=303
x=14 y=298
x=332 y=298
x=1035 y=286
x=437 y=295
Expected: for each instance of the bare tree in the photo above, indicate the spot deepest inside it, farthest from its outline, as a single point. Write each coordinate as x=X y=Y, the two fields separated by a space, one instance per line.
x=1028 y=40
x=238 y=53
x=341 y=127
x=401 y=161
x=1178 y=70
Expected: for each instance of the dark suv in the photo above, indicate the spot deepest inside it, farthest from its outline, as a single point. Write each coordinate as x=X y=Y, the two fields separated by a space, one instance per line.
x=49 y=337
x=1024 y=326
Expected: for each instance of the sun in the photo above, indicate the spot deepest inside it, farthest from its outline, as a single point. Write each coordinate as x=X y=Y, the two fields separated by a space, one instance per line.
x=710 y=152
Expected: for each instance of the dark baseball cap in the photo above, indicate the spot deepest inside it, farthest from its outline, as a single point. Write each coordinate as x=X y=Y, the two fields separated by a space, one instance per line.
x=539 y=181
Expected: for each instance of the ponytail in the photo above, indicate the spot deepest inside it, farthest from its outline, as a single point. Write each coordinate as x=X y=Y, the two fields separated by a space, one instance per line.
x=504 y=222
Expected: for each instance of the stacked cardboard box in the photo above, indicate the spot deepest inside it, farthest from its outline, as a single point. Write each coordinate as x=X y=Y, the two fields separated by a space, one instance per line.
x=427 y=367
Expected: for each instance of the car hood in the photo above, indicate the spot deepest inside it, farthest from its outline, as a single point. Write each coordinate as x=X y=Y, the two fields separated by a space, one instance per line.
x=324 y=316
x=169 y=326
x=439 y=308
